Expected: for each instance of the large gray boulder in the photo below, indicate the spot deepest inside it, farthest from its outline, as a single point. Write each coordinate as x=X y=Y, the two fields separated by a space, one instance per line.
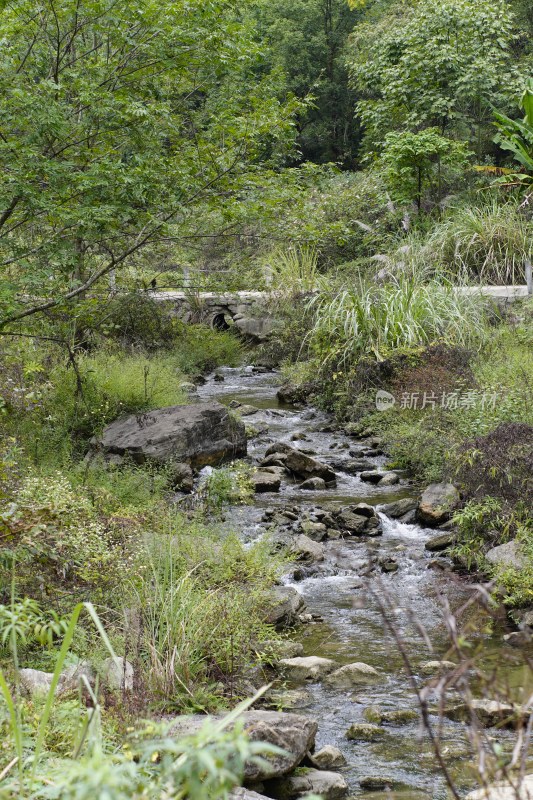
x=505 y=791
x=200 y=434
x=437 y=503
x=292 y=733
x=301 y=464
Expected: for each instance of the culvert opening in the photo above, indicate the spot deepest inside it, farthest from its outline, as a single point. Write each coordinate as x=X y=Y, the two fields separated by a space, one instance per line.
x=220 y=322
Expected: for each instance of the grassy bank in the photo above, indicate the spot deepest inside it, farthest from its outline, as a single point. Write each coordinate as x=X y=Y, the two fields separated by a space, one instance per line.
x=182 y=601
x=457 y=378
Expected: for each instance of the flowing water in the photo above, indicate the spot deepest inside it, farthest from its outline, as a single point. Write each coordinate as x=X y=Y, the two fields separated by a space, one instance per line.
x=352 y=626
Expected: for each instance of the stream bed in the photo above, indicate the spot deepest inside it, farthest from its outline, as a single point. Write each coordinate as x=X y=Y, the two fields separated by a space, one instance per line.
x=351 y=626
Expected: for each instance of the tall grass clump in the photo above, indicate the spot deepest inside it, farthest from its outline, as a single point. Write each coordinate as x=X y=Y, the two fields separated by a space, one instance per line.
x=202 y=604
x=487 y=244
x=294 y=270
x=67 y=748
x=373 y=320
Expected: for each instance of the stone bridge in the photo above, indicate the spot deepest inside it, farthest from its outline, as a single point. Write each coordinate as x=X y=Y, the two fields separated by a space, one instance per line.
x=249 y=312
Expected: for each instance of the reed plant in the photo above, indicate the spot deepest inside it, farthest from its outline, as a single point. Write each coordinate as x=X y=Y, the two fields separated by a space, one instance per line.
x=372 y=319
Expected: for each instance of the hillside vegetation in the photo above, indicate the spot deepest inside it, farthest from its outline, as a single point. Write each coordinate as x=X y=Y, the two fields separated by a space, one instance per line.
x=366 y=159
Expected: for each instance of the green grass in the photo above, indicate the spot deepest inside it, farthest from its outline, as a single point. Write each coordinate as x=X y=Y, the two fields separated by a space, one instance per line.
x=54 y=407
x=485 y=243
x=426 y=441
x=407 y=311
x=202 y=602
x=70 y=407
x=294 y=270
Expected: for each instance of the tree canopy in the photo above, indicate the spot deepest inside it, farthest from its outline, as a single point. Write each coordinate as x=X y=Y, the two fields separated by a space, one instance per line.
x=118 y=120
x=435 y=63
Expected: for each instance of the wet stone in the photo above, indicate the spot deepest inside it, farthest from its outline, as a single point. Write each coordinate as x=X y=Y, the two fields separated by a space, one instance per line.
x=289 y=699
x=352 y=675
x=372 y=476
x=266 y=482
x=436 y=667
x=328 y=757
x=365 y=732
x=310 y=668
x=399 y=716
x=380 y=782
x=389 y=479
x=316 y=531
x=308 y=550
x=329 y=785
x=440 y=542
x=388 y=564
x=313 y=484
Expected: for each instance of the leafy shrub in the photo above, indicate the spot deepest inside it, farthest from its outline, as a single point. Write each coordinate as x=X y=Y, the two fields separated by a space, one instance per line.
x=294 y=270
x=202 y=349
x=62 y=406
x=344 y=216
x=288 y=342
x=137 y=320
x=421 y=444
x=206 y=765
x=438 y=368
x=486 y=523
x=60 y=546
x=54 y=404
x=125 y=490
x=226 y=485
x=25 y=622
x=516 y=585
x=154 y=762
x=499 y=464
x=479 y=526
x=421 y=167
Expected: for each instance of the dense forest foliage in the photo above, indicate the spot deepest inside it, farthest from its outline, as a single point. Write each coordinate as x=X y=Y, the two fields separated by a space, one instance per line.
x=366 y=161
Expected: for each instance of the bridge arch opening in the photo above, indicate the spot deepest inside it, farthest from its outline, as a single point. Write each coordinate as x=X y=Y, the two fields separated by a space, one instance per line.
x=220 y=321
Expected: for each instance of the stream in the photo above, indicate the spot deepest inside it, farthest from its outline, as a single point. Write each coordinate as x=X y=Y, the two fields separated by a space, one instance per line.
x=351 y=626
